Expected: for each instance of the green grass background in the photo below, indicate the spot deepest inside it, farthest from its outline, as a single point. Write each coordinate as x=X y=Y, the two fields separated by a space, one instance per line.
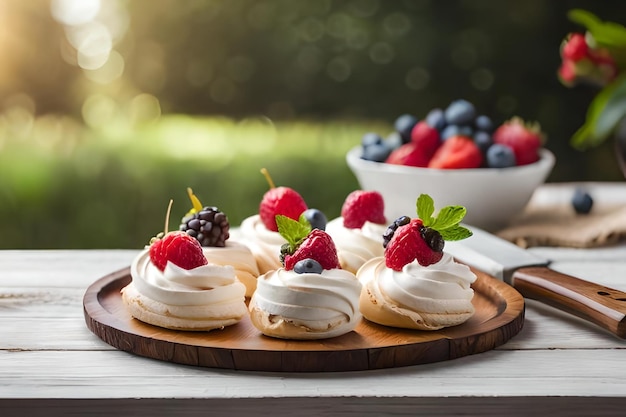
x=63 y=185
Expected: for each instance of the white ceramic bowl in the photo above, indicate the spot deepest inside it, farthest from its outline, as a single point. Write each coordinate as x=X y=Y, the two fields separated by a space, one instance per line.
x=492 y=196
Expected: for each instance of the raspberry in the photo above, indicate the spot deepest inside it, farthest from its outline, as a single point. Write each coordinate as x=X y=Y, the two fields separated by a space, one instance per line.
x=361 y=206
x=280 y=200
x=413 y=241
x=179 y=248
x=209 y=226
x=525 y=140
x=457 y=152
x=318 y=245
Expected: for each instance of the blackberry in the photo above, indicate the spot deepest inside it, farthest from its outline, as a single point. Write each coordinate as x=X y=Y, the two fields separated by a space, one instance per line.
x=400 y=221
x=433 y=238
x=209 y=226
x=285 y=250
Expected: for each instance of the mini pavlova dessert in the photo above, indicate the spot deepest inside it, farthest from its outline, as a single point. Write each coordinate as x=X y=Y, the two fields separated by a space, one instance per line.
x=173 y=286
x=311 y=297
x=211 y=228
x=260 y=232
x=358 y=233
x=416 y=285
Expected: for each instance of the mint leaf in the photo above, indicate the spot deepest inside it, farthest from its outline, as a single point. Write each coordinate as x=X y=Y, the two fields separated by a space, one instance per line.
x=447 y=220
x=455 y=233
x=448 y=217
x=293 y=231
x=425 y=209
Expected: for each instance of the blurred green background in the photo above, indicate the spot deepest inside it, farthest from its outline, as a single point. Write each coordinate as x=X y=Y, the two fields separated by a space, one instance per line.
x=109 y=108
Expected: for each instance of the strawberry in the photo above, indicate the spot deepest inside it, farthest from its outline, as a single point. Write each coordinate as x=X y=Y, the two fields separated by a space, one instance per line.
x=179 y=248
x=457 y=152
x=279 y=201
x=318 y=245
x=409 y=154
x=305 y=243
x=524 y=139
x=422 y=239
x=426 y=138
x=361 y=206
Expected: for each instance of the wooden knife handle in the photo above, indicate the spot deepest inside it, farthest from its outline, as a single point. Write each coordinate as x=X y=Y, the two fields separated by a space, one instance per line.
x=601 y=305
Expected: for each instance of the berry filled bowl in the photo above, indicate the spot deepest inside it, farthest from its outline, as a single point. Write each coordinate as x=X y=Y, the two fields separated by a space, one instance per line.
x=459 y=158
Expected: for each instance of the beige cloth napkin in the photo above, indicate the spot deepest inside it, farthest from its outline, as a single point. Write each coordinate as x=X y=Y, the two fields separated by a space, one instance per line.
x=555 y=223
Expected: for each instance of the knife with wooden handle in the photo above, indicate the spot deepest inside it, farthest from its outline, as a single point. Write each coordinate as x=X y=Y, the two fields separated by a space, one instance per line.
x=532 y=277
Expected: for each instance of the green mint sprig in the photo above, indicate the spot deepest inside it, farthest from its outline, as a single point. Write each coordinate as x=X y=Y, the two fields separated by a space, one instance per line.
x=447 y=220
x=294 y=231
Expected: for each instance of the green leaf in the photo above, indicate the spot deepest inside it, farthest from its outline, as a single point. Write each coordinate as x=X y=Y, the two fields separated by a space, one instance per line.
x=455 y=233
x=447 y=220
x=583 y=18
x=425 y=209
x=448 y=217
x=603 y=115
x=606 y=34
x=293 y=231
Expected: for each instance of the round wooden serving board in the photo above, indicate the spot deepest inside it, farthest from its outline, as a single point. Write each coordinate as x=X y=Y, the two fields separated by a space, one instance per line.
x=499 y=316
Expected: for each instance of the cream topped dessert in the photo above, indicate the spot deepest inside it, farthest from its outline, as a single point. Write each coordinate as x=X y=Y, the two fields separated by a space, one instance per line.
x=310 y=297
x=358 y=232
x=211 y=228
x=417 y=285
x=204 y=297
x=427 y=297
x=295 y=305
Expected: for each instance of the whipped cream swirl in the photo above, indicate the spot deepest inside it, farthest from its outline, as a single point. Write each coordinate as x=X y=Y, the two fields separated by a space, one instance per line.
x=356 y=246
x=208 y=291
x=442 y=288
x=326 y=303
x=264 y=243
x=240 y=257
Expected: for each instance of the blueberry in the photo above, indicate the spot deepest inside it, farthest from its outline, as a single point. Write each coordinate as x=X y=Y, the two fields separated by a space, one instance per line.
x=393 y=141
x=582 y=201
x=404 y=125
x=316 y=218
x=371 y=138
x=436 y=119
x=483 y=140
x=377 y=152
x=484 y=124
x=460 y=112
x=456 y=130
x=449 y=131
x=308 y=266
x=500 y=156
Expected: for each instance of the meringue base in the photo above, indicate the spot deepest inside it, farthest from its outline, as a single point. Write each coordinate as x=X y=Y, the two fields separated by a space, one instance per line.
x=158 y=314
x=284 y=328
x=381 y=311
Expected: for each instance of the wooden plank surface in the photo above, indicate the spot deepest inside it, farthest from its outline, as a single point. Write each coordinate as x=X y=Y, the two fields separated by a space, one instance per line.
x=116 y=374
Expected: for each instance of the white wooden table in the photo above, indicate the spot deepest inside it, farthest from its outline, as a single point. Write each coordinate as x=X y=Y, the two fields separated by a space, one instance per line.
x=50 y=363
